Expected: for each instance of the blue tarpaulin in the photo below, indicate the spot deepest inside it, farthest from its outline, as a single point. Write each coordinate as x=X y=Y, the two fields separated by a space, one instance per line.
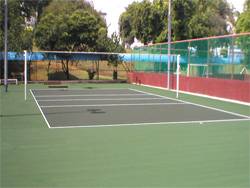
x=126 y=57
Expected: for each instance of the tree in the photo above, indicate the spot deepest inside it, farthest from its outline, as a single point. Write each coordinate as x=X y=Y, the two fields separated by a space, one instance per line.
x=148 y=25
x=210 y=18
x=19 y=11
x=243 y=22
x=34 y=7
x=183 y=11
x=243 y=25
x=114 y=46
x=16 y=27
x=141 y=20
x=147 y=21
x=69 y=26
x=72 y=25
x=161 y=6
x=102 y=41
x=126 y=29
x=127 y=23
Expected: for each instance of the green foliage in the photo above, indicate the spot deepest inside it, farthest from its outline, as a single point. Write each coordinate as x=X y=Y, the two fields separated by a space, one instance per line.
x=102 y=41
x=72 y=25
x=19 y=36
x=243 y=25
x=224 y=52
x=27 y=39
x=247 y=5
x=210 y=18
x=69 y=26
x=182 y=13
x=142 y=20
x=16 y=27
x=147 y=25
x=244 y=44
x=162 y=37
x=34 y=7
x=127 y=22
x=147 y=21
x=125 y=27
x=113 y=45
x=243 y=22
x=75 y=26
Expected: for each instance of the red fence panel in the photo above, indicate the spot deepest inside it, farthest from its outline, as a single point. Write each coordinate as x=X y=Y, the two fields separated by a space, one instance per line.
x=228 y=89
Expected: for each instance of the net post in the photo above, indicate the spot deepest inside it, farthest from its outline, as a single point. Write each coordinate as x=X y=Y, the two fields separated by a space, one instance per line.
x=25 y=75
x=177 y=76
x=169 y=42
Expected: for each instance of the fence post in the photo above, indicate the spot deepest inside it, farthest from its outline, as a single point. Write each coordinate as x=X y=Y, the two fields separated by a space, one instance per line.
x=232 y=53
x=208 y=59
x=177 y=76
x=25 y=74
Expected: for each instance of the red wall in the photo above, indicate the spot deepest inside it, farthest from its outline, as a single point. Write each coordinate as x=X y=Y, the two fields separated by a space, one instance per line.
x=230 y=89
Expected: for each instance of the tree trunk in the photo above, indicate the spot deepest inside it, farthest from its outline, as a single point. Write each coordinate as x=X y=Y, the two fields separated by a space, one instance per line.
x=48 y=69
x=67 y=70
x=115 y=74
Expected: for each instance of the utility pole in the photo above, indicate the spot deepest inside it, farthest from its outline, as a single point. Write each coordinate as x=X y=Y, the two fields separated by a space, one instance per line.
x=6 y=46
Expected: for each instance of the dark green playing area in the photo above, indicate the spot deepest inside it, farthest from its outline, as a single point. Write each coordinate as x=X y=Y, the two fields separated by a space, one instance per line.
x=121 y=135
x=120 y=107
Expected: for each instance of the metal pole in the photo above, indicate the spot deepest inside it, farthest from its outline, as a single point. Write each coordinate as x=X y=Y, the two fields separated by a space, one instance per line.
x=169 y=41
x=207 y=71
x=178 y=76
x=5 y=46
x=25 y=75
x=188 y=68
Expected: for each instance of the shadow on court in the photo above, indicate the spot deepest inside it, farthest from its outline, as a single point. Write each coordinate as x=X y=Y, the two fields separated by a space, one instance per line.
x=18 y=115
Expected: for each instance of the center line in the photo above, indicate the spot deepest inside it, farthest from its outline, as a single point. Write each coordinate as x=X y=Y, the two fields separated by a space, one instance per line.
x=90 y=95
x=114 y=99
x=103 y=105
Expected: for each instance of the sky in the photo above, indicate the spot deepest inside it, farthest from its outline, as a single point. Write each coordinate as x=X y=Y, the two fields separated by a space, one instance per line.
x=114 y=8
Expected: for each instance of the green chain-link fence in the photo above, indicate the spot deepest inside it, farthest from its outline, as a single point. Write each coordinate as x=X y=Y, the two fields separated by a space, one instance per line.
x=225 y=57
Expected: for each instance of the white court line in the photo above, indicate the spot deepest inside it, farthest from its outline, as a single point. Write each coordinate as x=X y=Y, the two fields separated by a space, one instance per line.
x=91 y=95
x=208 y=107
x=104 y=99
x=199 y=95
x=77 y=89
x=104 y=105
x=156 y=123
x=40 y=109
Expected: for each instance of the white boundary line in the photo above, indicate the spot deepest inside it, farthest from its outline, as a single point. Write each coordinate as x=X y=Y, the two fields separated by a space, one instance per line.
x=217 y=98
x=104 y=99
x=212 y=108
x=156 y=123
x=199 y=95
x=107 y=105
x=78 y=89
x=89 y=95
x=40 y=109
x=144 y=124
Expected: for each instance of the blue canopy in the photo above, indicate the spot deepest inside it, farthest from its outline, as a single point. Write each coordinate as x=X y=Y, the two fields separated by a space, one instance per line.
x=125 y=57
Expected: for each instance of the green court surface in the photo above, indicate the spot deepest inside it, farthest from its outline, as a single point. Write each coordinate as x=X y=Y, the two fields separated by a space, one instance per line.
x=211 y=155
